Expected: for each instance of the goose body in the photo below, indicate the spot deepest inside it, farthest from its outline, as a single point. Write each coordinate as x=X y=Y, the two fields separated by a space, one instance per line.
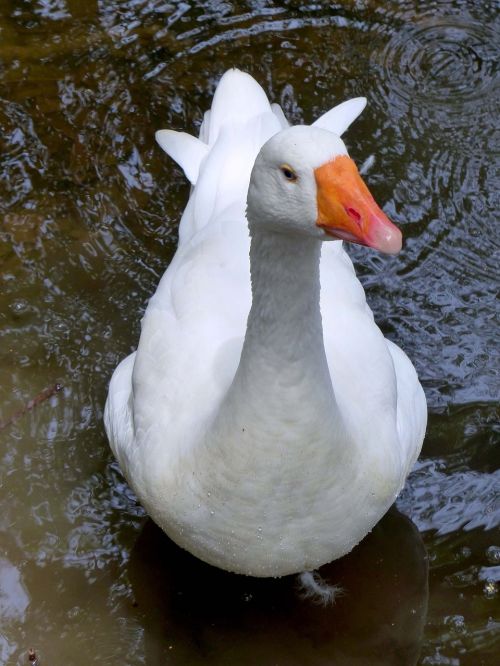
x=264 y=421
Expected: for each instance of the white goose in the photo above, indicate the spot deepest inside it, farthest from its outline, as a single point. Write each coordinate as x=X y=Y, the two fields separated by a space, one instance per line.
x=266 y=426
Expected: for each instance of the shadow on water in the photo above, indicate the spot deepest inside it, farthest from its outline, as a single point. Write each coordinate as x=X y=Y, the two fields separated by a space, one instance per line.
x=89 y=211
x=196 y=614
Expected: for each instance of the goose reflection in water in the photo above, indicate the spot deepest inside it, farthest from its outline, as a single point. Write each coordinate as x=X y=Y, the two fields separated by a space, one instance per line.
x=192 y=613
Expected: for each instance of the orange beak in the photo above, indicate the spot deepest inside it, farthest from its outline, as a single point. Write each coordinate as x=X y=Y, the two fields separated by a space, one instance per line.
x=347 y=210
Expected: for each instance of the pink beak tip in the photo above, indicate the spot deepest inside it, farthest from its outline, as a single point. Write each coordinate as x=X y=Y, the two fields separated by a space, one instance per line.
x=386 y=237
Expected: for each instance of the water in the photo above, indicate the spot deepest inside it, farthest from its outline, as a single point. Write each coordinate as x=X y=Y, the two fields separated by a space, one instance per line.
x=89 y=210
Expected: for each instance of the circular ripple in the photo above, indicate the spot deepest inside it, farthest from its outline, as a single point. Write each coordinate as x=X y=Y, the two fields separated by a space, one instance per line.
x=440 y=69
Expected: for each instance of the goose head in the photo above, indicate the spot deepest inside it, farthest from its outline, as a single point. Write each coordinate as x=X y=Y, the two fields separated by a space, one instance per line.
x=303 y=181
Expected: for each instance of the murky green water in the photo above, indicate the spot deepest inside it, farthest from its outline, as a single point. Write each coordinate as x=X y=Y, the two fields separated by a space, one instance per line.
x=89 y=214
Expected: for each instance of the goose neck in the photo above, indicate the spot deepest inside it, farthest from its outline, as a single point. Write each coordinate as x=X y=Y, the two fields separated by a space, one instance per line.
x=285 y=289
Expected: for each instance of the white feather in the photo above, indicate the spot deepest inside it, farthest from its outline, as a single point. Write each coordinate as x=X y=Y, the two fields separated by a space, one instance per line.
x=185 y=149
x=339 y=118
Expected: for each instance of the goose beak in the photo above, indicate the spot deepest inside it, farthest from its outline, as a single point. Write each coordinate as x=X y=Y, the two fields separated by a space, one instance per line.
x=347 y=210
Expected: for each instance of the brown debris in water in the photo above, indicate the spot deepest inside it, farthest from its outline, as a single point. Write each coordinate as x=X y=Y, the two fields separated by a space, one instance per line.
x=41 y=397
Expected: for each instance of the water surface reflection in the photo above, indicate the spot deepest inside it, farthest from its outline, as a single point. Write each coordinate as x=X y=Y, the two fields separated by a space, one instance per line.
x=89 y=216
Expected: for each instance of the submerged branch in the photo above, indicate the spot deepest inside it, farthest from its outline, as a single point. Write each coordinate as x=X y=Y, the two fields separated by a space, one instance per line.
x=41 y=397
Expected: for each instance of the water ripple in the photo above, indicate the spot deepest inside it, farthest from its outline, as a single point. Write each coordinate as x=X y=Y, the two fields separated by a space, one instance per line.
x=437 y=69
x=23 y=154
x=89 y=215
x=260 y=28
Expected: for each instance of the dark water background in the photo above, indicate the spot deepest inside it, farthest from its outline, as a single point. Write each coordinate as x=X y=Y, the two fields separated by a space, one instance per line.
x=89 y=211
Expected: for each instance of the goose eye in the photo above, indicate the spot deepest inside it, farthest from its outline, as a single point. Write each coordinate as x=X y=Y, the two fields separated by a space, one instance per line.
x=288 y=172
